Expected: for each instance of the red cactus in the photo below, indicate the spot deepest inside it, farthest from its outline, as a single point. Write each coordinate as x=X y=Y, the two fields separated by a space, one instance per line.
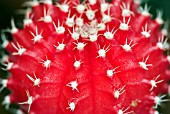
x=93 y=57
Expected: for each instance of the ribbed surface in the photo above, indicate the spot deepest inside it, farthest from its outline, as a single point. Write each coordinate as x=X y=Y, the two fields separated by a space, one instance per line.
x=111 y=76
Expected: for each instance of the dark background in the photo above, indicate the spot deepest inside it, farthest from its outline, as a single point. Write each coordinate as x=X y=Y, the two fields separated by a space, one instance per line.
x=8 y=10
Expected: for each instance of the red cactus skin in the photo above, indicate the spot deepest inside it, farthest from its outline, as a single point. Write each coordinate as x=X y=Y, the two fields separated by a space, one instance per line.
x=93 y=57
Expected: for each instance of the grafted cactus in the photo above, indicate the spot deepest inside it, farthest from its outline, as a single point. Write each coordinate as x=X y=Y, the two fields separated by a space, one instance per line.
x=91 y=57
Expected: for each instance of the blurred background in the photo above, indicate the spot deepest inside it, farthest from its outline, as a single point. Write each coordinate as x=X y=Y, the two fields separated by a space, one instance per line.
x=8 y=9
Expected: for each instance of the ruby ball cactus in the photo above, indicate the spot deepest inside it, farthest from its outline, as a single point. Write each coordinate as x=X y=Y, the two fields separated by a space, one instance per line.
x=90 y=57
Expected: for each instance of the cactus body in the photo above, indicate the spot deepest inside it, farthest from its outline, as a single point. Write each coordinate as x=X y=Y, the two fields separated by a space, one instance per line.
x=94 y=57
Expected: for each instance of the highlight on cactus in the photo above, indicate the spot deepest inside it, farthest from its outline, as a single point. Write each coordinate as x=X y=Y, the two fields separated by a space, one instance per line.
x=88 y=57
